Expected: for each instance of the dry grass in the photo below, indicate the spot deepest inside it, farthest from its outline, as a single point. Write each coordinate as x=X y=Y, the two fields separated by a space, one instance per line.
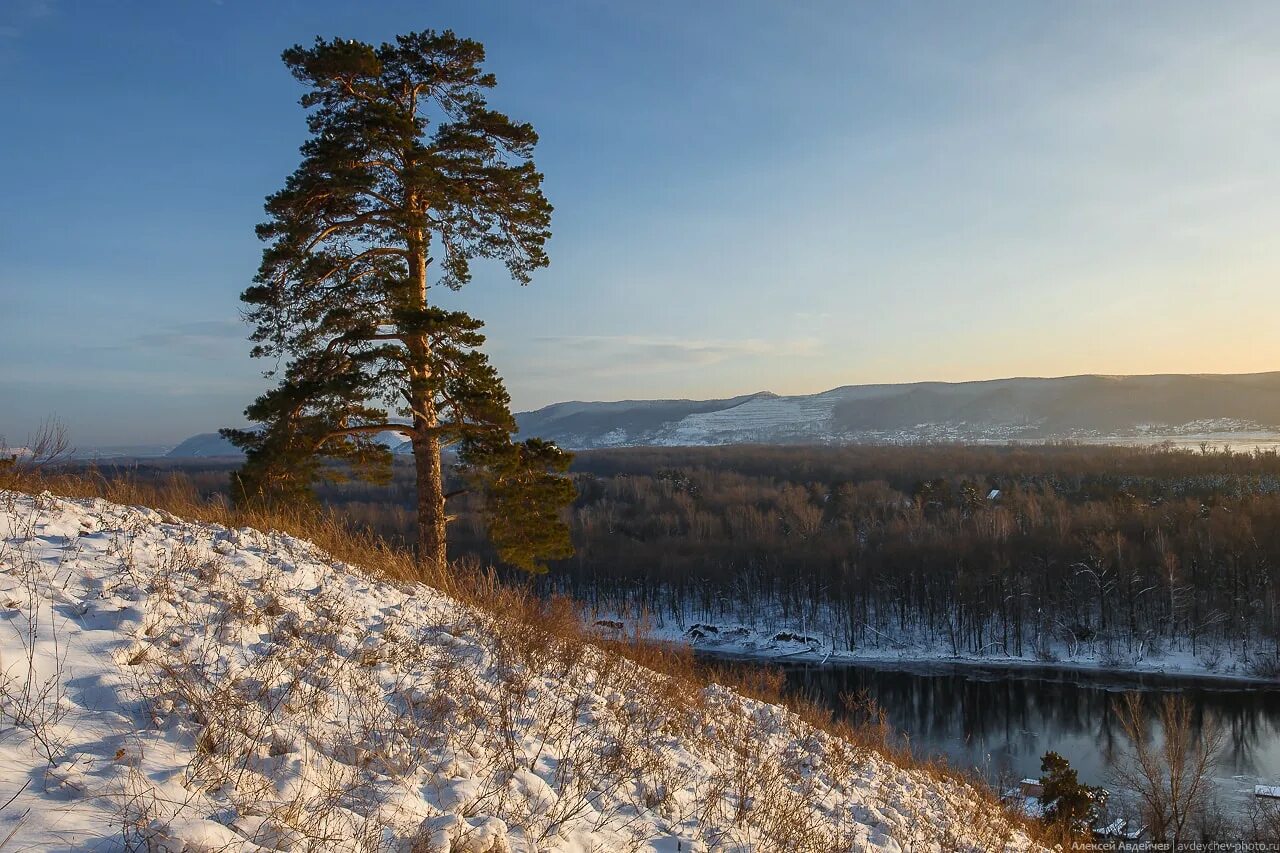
x=524 y=624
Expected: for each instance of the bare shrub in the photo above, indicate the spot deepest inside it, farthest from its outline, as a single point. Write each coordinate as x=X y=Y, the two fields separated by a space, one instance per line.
x=1265 y=666
x=32 y=689
x=1264 y=820
x=49 y=446
x=1171 y=777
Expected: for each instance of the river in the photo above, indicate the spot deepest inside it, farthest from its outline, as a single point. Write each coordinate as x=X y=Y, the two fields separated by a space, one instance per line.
x=999 y=721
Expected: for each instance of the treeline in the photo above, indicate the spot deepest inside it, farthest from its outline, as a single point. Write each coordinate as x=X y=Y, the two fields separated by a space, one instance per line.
x=1112 y=551
x=1118 y=552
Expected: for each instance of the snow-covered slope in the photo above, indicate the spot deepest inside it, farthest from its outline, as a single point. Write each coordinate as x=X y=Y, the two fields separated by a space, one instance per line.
x=1241 y=410
x=179 y=686
x=1237 y=408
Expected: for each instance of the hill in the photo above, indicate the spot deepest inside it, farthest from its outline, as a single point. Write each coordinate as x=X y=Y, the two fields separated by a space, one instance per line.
x=1073 y=407
x=188 y=687
x=204 y=445
x=1116 y=409
x=212 y=445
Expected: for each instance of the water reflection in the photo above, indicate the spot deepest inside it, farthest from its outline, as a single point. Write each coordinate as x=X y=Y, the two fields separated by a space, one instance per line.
x=1001 y=721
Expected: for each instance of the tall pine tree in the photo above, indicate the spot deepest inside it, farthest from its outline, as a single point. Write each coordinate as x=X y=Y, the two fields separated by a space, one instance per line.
x=406 y=178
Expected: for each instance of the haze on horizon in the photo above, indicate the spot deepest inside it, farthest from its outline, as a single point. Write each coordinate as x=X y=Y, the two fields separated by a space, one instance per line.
x=748 y=196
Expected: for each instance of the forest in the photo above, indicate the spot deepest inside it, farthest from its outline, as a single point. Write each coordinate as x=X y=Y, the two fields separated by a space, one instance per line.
x=1044 y=550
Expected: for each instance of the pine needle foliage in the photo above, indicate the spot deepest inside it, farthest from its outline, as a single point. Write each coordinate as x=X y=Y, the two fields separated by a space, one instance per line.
x=1067 y=801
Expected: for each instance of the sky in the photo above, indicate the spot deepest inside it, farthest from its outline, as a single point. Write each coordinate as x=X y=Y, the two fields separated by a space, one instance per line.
x=749 y=195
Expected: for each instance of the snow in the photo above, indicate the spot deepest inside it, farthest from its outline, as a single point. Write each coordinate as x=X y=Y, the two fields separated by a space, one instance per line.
x=994 y=411
x=763 y=418
x=768 y=635
x=1120 y=828
x=175 y=686
x=1271 y=792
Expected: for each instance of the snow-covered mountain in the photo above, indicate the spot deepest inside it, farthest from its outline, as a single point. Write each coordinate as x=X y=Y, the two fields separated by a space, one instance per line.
x=1078 y=407
x=172 y=686
x=1236 y=408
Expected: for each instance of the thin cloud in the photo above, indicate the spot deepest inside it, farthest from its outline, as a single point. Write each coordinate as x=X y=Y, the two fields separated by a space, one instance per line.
x=139 y=382
x=603 y=356
x=194 y=335
x=210 y=339
x=642 y=343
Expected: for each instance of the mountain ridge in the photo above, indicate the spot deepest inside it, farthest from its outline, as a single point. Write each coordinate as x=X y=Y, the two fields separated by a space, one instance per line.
x=1090 y=407
x=1083 y=406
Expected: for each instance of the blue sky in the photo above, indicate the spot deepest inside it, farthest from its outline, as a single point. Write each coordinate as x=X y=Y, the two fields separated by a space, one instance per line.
x=783 y=196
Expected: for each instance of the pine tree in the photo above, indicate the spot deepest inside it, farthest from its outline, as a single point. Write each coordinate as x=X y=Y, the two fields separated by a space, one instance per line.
x=1066 y=800
x=407 y=176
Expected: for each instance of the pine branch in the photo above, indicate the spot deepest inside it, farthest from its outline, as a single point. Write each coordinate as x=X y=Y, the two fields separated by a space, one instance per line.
x=356 y=339
x=373 y=217
x=365 y=429
x=347 y=263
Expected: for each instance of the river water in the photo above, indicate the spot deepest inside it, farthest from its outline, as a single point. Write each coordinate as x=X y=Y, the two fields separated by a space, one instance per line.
x=1000 y=721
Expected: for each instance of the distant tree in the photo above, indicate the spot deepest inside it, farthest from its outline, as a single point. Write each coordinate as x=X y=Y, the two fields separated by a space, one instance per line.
x=406 y=170
x=1066 y=800
x=1170 y=775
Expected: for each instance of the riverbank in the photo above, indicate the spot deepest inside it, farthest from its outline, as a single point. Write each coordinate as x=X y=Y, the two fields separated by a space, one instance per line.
x=997 y=723
x=736 y=640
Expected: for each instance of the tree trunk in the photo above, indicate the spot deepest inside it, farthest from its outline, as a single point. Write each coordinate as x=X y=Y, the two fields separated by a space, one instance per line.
x=432 y=521
x=431 y=517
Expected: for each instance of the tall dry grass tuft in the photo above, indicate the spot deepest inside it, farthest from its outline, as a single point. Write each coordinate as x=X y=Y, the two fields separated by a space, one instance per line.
x=542 y=632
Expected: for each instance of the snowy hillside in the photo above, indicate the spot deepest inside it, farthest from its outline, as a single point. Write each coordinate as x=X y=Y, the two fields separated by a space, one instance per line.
x=178 y=686
x=1236 y=408
x=1240 y=410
